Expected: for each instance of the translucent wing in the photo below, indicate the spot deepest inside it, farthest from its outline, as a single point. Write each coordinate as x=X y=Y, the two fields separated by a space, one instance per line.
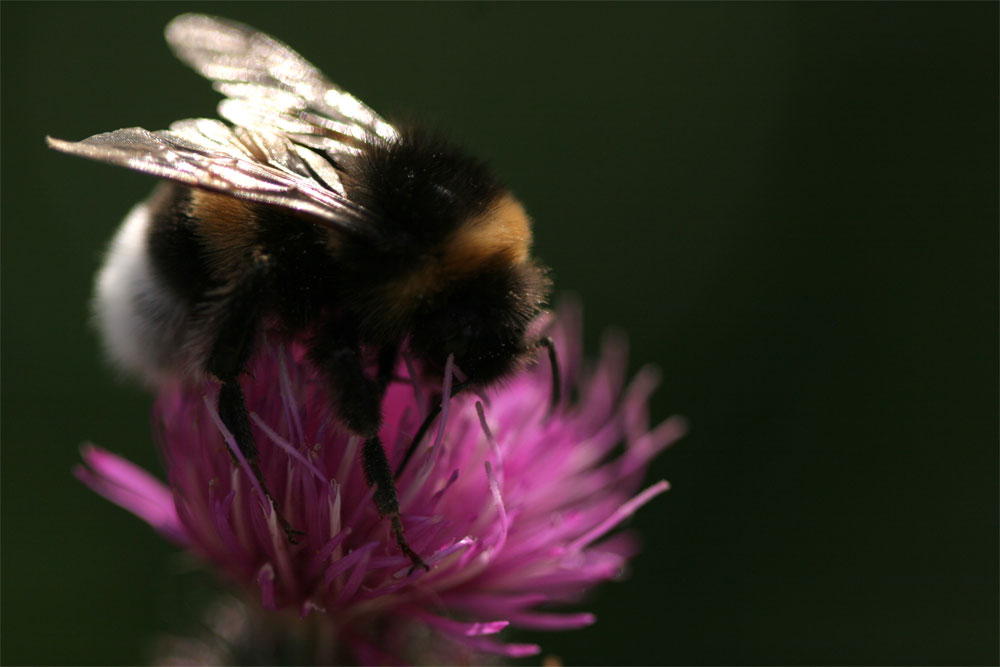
x=271 y=87
x=244 y=163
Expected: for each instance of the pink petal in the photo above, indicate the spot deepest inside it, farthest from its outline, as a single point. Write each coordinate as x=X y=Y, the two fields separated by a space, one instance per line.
x=265 y=578
x=543 y=621
x=501 y=510
x=132 y=488
x=287 y=446
x=622 y=513
x=459 y=628
x=499 y=648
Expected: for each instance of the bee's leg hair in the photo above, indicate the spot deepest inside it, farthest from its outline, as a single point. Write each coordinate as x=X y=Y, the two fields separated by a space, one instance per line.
x=359 y=402
x=236 y=311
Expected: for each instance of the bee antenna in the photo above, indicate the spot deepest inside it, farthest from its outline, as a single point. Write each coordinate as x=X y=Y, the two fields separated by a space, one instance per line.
x=550 y=345
x=422 y=431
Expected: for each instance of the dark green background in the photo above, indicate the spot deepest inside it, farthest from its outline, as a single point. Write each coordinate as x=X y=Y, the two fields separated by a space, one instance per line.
x=790 y=208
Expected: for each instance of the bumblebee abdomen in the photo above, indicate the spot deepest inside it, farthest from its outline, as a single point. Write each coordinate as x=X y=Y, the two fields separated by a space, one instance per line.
x=142 y=321
x=171 y=272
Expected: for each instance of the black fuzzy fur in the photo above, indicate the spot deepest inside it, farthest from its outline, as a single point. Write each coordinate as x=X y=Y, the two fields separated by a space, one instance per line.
x=177 y=253
x=330 y=292
x=421 y=188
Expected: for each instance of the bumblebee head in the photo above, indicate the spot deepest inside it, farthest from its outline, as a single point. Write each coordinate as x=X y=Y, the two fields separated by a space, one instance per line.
x=481 y=320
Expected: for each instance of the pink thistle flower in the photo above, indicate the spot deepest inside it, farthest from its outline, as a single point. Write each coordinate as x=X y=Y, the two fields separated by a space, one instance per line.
x=511 y=507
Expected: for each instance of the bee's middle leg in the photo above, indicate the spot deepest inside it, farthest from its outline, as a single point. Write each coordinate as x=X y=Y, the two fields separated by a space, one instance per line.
x=359 y=402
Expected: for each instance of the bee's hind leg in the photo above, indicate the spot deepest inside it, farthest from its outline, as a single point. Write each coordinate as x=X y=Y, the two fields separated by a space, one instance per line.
x=233 y=412
x=359 y=403
x=235 y=312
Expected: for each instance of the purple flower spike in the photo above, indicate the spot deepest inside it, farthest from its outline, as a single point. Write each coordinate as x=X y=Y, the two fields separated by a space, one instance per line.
x=511 y=507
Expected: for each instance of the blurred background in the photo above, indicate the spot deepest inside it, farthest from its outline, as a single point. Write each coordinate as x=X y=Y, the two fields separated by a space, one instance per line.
x=791 y=209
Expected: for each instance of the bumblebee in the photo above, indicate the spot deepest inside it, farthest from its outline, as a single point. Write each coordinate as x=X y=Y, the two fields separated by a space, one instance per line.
x=310 y=218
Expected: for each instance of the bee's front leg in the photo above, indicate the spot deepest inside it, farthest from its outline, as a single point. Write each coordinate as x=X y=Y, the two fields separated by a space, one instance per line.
x=234 y=313
x=550 y=346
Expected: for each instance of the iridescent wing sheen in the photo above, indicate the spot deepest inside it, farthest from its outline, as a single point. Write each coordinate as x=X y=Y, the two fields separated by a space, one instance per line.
x=245 y=163
x=269 y=86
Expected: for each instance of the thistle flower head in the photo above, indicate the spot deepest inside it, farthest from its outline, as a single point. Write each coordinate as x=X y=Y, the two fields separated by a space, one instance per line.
x=511 y=507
